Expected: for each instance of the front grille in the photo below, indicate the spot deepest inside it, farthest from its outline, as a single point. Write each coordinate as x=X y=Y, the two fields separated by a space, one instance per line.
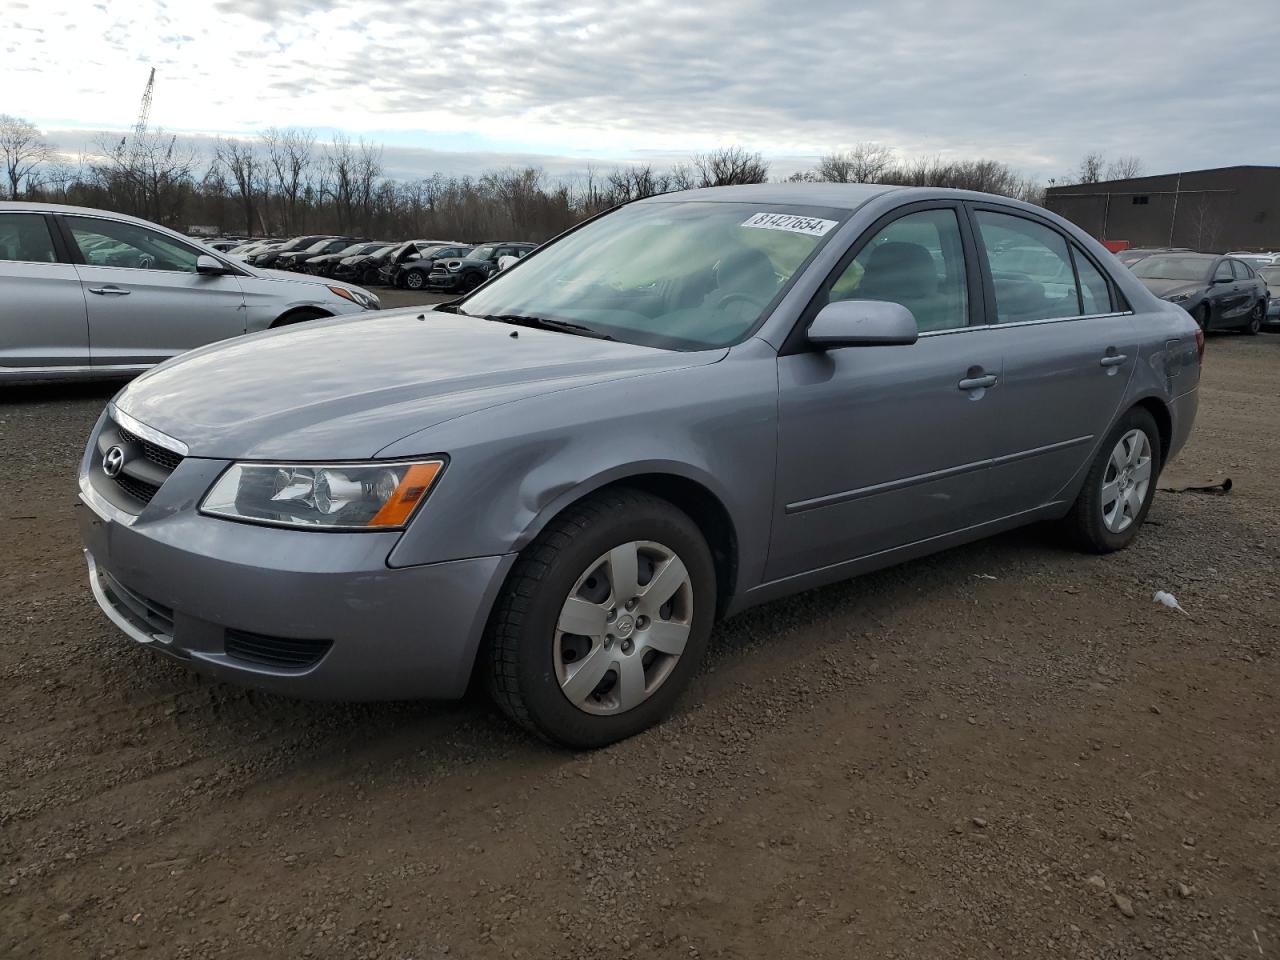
x=147 y=465
x=275 y=651
x=140 y=490
x=156 y=454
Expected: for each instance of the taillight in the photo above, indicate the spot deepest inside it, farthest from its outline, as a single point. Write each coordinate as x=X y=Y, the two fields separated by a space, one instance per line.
x=1199 y=344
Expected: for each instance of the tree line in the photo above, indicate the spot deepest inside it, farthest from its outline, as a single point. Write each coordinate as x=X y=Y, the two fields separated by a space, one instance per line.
x=288 y=182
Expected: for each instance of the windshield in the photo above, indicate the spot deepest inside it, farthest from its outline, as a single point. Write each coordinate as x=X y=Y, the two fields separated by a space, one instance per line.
x=378 y=251
x=481 y=253
x=1171 y=268
x=683 y=275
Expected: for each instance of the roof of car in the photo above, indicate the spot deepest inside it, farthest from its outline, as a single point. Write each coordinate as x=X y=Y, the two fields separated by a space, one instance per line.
x=847 y=196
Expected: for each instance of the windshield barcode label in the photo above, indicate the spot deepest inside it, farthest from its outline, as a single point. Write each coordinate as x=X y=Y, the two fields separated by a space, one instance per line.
x=812 y=226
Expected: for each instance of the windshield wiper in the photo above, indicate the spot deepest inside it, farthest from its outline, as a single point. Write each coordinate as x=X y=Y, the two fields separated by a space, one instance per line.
x=546 y=323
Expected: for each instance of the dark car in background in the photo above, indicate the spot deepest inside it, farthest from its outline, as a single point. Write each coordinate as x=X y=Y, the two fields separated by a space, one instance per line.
x=1222 y=293
x=322 y=265
x=363 y=266
x=1271 y=277
x=270 y=257
x=295 y=259
x=466 y=273
x=412 y=274
x=408 y=251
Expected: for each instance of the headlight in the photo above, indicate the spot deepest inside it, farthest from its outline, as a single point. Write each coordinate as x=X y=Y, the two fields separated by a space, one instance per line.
x=453 y=267
x=339 y=496
x=1179 y=298
x=366 y=300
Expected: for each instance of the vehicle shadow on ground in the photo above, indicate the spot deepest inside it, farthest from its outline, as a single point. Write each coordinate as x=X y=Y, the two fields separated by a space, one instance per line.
x=43 y=391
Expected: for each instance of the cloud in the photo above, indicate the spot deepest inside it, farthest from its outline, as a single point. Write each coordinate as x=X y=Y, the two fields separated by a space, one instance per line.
x=1036 y=85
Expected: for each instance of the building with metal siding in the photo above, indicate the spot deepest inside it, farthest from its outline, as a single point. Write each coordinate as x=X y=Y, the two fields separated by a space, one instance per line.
x=1227 y=208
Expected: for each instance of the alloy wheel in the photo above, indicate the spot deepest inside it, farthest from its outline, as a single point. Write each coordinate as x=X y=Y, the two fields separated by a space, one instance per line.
x=413 y=281
x=623 y=627
x=1126 y=481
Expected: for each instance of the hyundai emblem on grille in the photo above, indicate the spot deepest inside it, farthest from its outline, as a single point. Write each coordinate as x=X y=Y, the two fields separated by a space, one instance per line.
x=113 y=461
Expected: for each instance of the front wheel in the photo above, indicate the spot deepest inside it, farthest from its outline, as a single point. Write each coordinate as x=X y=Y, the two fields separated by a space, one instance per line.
x=603 y=620
x=1201 y=316
x=1120 y=486
x=414 y=280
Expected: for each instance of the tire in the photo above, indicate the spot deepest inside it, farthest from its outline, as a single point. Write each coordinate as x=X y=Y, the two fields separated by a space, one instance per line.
x=1201 y=315
x=1093 y=521
x=471 y=281
x=568 y=571
x=414 y=280
x=1256 y=315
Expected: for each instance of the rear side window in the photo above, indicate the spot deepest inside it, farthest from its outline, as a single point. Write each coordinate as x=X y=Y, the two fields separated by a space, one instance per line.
x=1030 y=269
x=917 y=261
x=1095 y=294
x=24 y=237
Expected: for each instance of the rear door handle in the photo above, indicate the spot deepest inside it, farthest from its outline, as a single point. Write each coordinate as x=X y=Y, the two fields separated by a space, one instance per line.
x=978 y=383
x=110 y=291
x=1113 y=359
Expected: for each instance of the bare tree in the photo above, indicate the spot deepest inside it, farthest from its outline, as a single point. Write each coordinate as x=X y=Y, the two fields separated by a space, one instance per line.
x=1123 y=168
x=247 y=171
x=290 y=155
x=149 y=176
x=729 y=165
x=863 y=163
x=21 y=150
x=1090 y=169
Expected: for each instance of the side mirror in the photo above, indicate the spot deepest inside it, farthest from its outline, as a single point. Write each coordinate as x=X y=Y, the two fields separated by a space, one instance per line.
x=507 y=261
x=863 y=323
x=210 y=266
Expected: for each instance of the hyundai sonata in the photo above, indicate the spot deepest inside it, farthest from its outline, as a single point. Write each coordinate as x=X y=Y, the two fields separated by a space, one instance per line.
x=696 y=403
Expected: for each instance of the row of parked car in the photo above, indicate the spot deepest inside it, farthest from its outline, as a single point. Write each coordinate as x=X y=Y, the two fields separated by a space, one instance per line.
x=1231 y=291
x=443 y=265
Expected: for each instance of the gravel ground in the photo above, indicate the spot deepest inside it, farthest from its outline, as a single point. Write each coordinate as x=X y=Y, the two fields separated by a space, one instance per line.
x=1007 y=750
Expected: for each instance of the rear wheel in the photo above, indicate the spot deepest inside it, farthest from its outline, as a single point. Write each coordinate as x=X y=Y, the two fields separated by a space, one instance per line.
x=603 y=620
x=1256 y=315
x=1120 y=486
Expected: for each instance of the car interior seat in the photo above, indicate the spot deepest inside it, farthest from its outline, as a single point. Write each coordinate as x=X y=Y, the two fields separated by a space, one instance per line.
x=905 y=273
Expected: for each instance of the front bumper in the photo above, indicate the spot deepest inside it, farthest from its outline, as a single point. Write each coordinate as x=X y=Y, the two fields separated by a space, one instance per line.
x=443 y=281
x=313 y=615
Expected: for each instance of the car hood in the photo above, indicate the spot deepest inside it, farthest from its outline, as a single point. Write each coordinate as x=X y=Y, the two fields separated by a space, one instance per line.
x=346 y=388
x=1169 y=288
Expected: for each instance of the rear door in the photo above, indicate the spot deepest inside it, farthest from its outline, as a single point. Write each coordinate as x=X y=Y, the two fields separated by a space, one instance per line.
x=880 y=447
x=1069 y=349
x=1250 y=286
x=43 y=320
x=145 y=299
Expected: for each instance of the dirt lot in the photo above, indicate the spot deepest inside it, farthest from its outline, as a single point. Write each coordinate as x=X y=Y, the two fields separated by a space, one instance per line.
x=1005 y=751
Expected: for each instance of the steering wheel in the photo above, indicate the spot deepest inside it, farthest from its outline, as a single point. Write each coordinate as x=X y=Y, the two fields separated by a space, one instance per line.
x=736 y=296
x=146 y=262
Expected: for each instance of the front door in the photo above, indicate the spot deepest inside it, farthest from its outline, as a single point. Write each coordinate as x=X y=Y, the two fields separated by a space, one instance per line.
x=880 y=447
x=43 y=322
x=1068 y=358
x=146 y=301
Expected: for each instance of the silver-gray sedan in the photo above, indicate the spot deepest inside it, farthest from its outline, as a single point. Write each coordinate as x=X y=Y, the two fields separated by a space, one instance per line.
x=697 y=403
x=87 y=293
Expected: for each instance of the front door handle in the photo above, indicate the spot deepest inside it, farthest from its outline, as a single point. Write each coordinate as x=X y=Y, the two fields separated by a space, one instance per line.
x=109 y=291
x=978 y=383
x=1113 y=359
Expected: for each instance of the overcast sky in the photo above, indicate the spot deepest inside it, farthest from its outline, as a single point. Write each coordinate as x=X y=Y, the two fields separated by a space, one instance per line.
x=457 y=85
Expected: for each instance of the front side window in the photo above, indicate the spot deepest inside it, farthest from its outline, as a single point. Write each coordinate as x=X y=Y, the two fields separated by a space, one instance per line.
x=111 y=243
x=1223 y=272
x=676 y=274
x=1242 y=270
x=917 y=261
x=25 y=237
x=1030 y=269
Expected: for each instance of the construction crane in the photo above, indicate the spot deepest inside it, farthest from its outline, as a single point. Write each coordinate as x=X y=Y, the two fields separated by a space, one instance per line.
x=144 y=115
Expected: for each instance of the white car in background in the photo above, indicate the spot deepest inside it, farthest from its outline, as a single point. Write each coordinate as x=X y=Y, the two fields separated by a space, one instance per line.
x=86 y=293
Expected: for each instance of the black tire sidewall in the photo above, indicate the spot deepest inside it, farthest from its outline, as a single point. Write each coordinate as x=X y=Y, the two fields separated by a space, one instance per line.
x=1095 y=528
x=548 y=708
